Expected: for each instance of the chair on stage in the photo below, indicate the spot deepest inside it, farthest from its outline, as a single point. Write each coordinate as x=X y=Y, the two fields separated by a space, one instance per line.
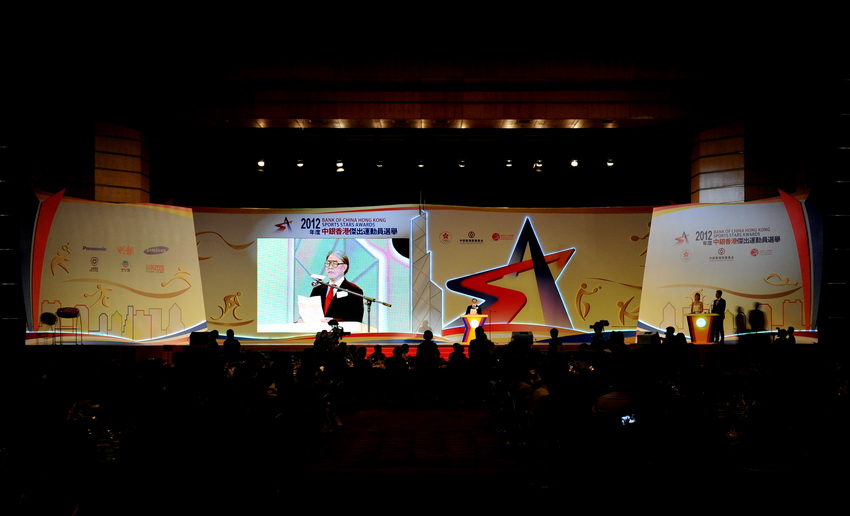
x=49 y=319
x=72 y=313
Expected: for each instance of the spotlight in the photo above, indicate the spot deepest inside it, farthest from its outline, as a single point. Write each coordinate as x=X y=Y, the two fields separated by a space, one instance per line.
x=574 y=163
x=538 y=165
x=461 y=163
x=299 y=163
x=610 y=162
x=339 y=163
x=509 y=163
x=380 y=163
x=261 y=163
x=421 y=164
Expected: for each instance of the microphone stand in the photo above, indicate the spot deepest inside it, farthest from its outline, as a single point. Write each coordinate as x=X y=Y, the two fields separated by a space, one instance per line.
x=490 y=320
x=369 y=301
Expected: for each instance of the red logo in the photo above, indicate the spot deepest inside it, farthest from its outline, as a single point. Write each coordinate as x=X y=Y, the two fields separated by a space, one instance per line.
x=471 y=234
x=754 y=252
x=496 y=236
x=721 y=251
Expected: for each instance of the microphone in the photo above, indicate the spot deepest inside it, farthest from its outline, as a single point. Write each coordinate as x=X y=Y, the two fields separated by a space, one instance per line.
x=317 y=279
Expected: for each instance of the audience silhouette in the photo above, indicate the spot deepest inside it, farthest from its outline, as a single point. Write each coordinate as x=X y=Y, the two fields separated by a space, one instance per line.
x=670 y=407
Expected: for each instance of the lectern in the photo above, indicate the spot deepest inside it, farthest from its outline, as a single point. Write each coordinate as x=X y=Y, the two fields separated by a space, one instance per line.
x=699 y=325
x=470 y=322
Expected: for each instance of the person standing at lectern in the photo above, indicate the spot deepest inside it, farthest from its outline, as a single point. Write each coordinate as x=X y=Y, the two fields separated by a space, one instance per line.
x=474 y=308
x=337 y=303
x=718 y=306
x=696 y=305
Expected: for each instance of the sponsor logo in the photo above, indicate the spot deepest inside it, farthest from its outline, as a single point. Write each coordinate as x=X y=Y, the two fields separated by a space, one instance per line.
x=87 y=248
x=682 y=239
x=754 y=252
x=154 y=268
x=125 y=266
x=721 y=256
x=685 y=256
x=125 y=249
x=160 y=249
x=757 y=252
x=445 y=237
x=499 y=236
x=94 y=261
x=471 y=239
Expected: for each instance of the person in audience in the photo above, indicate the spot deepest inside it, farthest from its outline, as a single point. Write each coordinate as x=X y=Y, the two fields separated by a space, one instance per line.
x=377 y=356
x=231 y=346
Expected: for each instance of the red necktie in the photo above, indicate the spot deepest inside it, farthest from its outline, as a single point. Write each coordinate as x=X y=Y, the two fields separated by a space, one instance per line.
x=329 y=298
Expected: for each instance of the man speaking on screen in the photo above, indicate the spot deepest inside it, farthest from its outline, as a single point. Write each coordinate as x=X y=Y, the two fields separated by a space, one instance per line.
x=341 y=299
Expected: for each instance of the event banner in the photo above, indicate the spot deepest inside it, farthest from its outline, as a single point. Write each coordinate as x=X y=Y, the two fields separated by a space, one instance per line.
x=114 y=272
x=260 y=267
x=761 y=256
x=534 y=270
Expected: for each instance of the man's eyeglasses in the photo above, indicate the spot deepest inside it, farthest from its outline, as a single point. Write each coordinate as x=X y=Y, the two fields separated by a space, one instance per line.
x=332 y=265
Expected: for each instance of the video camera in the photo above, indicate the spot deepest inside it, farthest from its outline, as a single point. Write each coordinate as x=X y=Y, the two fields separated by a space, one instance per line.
x=337 y=331
x=599 y=325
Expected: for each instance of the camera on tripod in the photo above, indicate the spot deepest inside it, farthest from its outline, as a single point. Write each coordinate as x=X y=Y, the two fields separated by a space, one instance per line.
x=599 y=325
x=337 y=331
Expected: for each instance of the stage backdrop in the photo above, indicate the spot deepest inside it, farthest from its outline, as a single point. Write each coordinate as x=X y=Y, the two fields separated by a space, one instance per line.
x=131 y=271
x=136 y=272
x=534 y=270
x=765 y=252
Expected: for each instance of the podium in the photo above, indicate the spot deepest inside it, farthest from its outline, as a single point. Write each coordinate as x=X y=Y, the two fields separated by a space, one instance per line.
x=470 y=322
x=699 y=326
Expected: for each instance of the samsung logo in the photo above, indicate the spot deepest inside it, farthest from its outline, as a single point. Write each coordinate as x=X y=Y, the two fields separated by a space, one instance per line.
x=160 y=249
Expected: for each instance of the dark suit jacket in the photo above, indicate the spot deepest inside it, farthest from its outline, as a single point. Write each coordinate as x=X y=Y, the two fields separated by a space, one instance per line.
x=719 y=307
x=346 y=308
x=469 y=309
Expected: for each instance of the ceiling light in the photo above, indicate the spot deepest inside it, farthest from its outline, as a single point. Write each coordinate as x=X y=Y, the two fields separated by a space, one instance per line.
x=379 y=164
x=538 y=165
x=421 y=164
x=574 y=163
x=610 y=162
x=508 y=163
x=339 y=163
x=261 y=163
x=299 y=163
x=461 y=163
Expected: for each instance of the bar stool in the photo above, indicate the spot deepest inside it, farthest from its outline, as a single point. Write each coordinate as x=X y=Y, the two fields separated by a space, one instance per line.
x=73 y=313
x=49 y=319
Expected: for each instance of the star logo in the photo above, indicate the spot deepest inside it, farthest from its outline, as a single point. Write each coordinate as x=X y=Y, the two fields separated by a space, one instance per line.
x=682 y=239
x=286 y=224
x=527 y=257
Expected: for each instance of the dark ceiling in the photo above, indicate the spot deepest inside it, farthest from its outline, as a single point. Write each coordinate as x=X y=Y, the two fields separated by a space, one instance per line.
x=209 y=118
